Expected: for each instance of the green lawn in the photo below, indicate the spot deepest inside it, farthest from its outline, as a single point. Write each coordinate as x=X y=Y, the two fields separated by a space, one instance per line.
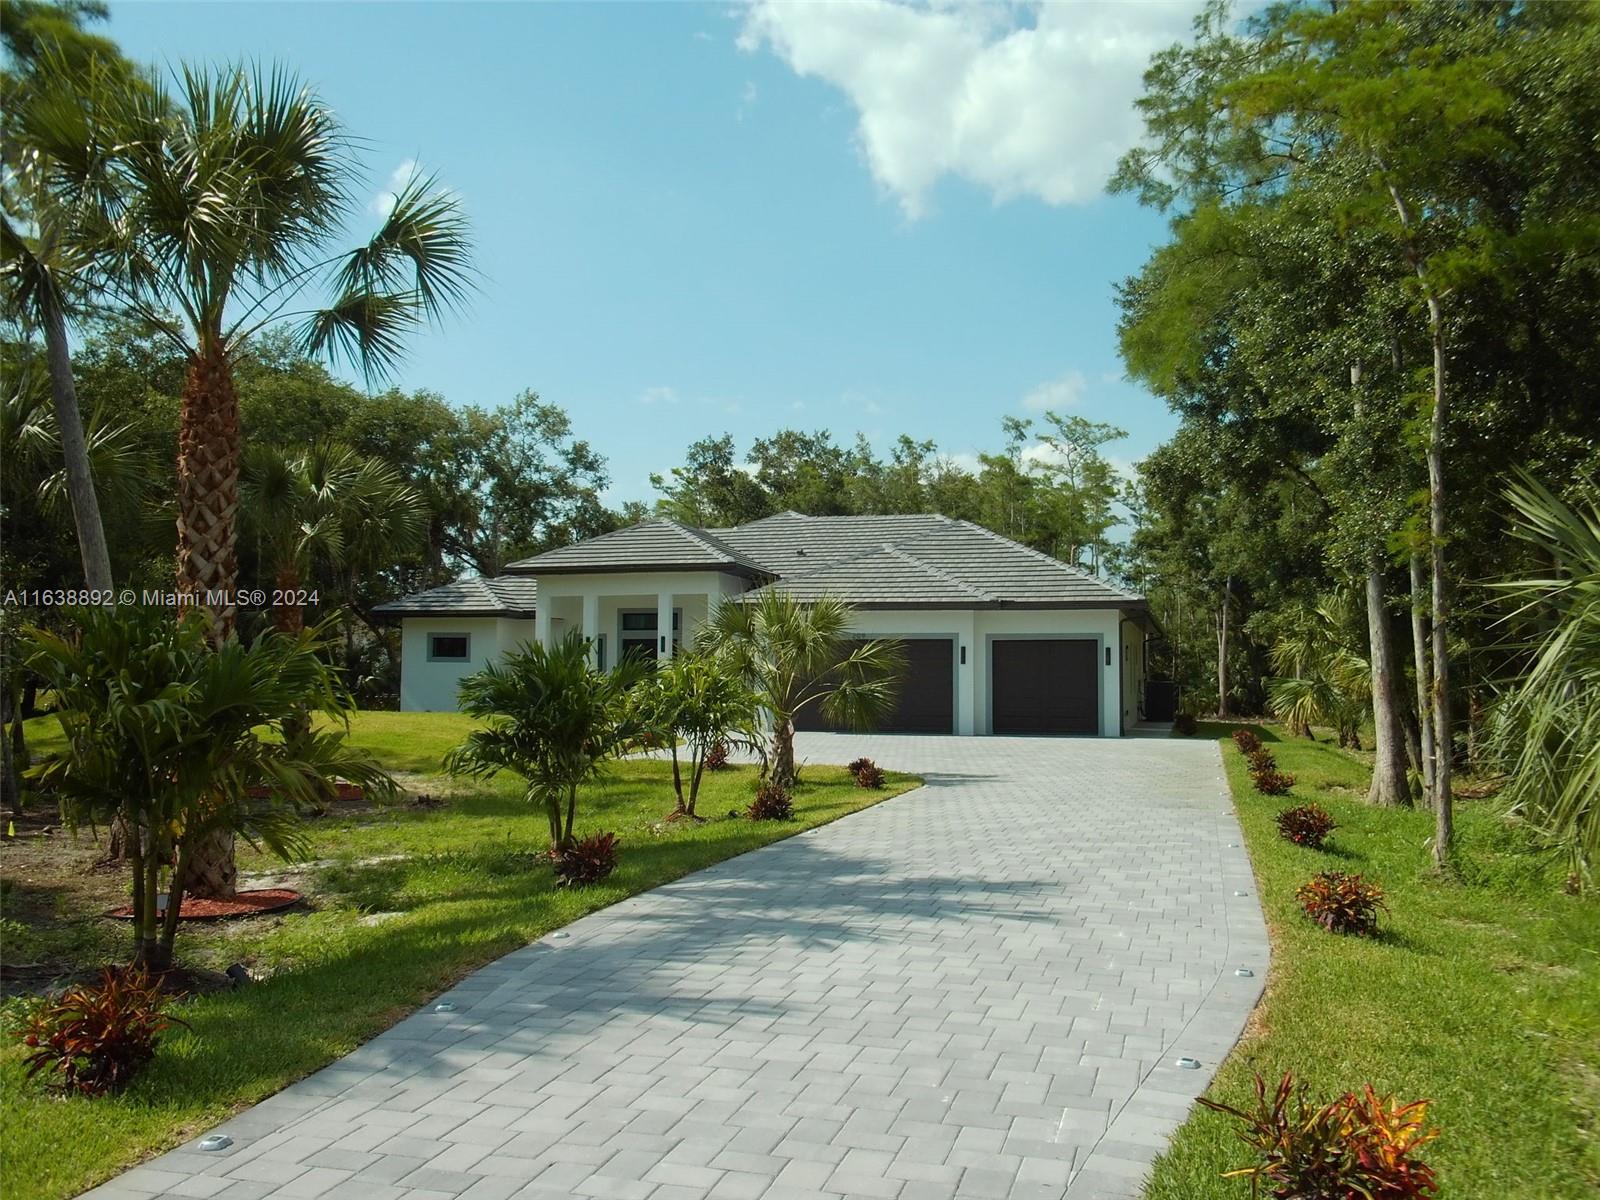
x=1483 y=995
x=465 y=894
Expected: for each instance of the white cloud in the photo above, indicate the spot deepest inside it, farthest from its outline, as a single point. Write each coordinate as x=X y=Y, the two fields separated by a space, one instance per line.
x=1022 y=99
x=1064 y=391
x=383 y=203
x=658 y=395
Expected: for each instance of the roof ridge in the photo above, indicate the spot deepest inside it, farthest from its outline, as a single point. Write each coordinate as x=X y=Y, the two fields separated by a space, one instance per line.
x=940 y=573
x=1070 y=568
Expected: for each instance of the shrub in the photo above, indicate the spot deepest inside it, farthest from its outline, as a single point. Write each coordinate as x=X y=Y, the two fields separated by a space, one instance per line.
x=587 y=861
x=1357 y=1146
x=866 y=773
x=1342 y=903
x=1272 y=783
x=773 y=802
x=1306 y=825
x=870 y=776
x=1186 y=725
x=717 y=757
x=95 y=1037
x=1261 y=760
x=1246 y=740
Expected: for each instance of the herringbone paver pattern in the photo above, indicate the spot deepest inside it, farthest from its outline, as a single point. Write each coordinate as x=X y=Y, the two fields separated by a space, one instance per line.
x=978 y=989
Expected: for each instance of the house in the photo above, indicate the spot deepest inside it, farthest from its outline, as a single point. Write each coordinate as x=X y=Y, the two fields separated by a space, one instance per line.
x=998 y=638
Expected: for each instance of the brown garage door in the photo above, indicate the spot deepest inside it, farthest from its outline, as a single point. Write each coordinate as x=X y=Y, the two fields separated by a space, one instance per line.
x=926 y=699
x=1045 y=686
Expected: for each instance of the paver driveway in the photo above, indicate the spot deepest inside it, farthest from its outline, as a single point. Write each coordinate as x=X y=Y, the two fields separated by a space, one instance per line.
x=979 y=988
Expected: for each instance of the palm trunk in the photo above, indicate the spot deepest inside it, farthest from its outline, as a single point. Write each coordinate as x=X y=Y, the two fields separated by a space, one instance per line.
x=572 y=814
x=208 y=871
x=1389 y=786
x=287 y=614
x=1419 y=648
x=783 y=753
x=208 y=487
x=695 y=775
x=680 y=809
x=74 y=449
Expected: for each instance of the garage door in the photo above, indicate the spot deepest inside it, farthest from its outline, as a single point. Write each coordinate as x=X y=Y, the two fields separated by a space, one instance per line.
x=1045 y=686
x=926 y=700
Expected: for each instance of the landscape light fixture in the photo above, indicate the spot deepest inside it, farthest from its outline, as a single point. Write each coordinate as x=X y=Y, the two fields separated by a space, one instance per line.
x=215 y=1141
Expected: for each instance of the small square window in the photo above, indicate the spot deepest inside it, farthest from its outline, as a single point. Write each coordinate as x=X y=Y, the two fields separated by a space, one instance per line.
x=449 y=647
x=639 y=621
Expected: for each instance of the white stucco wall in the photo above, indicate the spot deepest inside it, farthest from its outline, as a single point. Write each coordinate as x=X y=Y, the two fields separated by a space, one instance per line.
x=1132 y=672
x=431 y=686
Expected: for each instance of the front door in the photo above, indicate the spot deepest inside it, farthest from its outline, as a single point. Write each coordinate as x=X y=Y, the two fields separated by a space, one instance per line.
x=639 y=636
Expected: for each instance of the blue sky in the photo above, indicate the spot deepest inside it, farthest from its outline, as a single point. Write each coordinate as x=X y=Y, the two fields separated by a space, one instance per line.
x=701 y=219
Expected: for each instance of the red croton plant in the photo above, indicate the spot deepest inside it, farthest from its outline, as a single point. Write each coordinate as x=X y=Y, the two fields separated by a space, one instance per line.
x=1359 y=1147
x=94 y=1038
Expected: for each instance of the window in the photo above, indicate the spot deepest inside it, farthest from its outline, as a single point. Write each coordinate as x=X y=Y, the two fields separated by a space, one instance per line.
x=641 y=621
x=449 y=647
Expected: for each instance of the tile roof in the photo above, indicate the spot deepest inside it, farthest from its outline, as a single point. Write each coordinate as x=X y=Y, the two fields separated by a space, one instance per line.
x=503 y=596
x=911 y=561
x=929 y=561
x=657 y=544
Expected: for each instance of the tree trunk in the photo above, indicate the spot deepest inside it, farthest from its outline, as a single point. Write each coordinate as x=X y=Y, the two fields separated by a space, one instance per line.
x=1419 y=649
x=10 y=789
x=1444 y=815
x=208 y=871
x=1389 y=787
x=1222 y=657
x=74 y=449
x=208 y=487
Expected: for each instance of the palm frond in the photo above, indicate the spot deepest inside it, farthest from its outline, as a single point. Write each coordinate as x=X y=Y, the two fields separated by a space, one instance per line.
x=365 y=329
x=423 y=249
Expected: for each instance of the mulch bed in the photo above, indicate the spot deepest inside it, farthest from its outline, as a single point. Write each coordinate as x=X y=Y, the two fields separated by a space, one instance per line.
x=245 y=904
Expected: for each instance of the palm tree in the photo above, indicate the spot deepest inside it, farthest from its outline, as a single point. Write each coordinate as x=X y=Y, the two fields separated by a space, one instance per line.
x=224 y=204
x=1546 y=724
x=1324 y=679
x=54 y=162
x=217 y=216
x=326 y=505
x=698 y=697
x=551 y=718
x=795 y=656
x=171 y=737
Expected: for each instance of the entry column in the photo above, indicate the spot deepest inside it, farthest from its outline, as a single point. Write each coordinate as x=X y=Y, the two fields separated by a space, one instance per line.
x=591 y=625
x=664 y=625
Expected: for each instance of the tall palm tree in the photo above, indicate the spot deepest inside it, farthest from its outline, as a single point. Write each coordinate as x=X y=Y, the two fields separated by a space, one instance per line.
x=225 y=204
x=328 y=506
x=797 y=655
x=54 y=153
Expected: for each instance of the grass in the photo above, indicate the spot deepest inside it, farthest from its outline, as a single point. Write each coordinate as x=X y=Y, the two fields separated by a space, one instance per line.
x=1482 y=994
x=464 y=893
